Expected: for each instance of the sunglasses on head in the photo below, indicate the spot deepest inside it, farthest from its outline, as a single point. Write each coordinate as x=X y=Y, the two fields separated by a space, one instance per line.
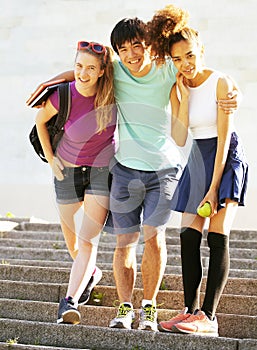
x=97 y=48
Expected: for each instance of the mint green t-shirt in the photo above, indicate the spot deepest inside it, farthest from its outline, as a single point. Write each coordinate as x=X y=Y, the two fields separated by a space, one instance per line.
x=143 y=118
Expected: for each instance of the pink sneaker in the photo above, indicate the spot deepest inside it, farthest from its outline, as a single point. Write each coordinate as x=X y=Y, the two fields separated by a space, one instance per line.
x=166 y=326
x=199 y=324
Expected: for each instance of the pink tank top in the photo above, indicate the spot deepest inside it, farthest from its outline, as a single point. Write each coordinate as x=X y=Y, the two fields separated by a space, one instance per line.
x=80 y=144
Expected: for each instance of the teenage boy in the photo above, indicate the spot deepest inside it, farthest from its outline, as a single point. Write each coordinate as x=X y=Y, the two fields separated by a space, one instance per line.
x=144 y=171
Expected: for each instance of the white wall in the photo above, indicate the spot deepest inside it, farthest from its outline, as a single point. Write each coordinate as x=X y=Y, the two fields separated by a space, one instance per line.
x=37 y=41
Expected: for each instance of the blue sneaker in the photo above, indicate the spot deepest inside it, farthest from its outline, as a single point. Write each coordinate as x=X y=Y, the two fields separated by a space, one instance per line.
x=67 y=313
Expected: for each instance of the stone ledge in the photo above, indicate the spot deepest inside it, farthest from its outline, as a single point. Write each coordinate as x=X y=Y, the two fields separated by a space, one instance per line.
x=105 y=338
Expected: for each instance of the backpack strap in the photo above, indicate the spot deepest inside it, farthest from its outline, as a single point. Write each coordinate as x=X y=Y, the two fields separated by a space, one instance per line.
x=64 y=105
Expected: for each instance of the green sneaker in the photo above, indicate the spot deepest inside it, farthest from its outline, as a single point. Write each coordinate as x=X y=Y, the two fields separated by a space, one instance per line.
x=125 y=317
x=148 y=318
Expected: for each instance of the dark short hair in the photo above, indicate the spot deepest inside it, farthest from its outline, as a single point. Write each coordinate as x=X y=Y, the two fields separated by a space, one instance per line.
x=126 y=30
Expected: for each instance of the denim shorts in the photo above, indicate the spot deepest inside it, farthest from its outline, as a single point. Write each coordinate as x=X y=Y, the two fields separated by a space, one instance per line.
x=140 y=198
x=81 y=180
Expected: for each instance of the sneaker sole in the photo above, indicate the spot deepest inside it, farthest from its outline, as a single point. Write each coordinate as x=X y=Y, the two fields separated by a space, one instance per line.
x=206 y=334
x=97 y=280
x=70 y=316
x=172 y=330
x=148 y=328
x=119 y=325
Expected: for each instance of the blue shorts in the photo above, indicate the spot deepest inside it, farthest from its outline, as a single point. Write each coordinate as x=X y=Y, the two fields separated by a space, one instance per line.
x=81 y=180
x=140 y=198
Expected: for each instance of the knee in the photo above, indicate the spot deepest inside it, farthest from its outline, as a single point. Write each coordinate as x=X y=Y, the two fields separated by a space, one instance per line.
x=126 y=253
x=155 y=246
x=155 y=253
x=217 y=240
x=190 y=236
x=127 y=242
x=72 y=248
x=125 y=257
x=85 y=245
x=73 y=253
x=154 y=237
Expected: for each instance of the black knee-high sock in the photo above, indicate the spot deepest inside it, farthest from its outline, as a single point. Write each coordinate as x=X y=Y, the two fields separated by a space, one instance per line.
x=191 y=267
x=218 y=271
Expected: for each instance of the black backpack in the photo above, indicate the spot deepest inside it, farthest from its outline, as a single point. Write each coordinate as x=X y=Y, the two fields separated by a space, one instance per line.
x=55 y=124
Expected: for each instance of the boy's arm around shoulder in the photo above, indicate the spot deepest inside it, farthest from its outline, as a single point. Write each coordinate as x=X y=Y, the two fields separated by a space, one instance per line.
x=67 y=76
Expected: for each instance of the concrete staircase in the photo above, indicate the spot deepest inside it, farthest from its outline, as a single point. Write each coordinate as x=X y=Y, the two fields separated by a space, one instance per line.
x=34 y=272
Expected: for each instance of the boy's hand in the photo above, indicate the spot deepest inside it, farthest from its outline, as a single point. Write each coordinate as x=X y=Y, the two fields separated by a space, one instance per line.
x=231 y=104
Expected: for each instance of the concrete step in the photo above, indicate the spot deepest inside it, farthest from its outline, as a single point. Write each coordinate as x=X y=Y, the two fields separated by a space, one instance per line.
x=53 y=292
x=57 y=253
x=243 y=326
x=53 y=231
x=7 y=346
x=35 y=235
x=243 y=268
x=30 y=332
x=24 y=225
x=34 y=272
x=61 y=275
x=47 y=242
x=48 y=227
x=34 y=230
x=239 y=266
x=57 y=237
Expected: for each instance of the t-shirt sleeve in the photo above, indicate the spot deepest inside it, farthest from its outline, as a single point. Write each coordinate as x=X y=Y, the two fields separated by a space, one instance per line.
x=172 y=69
x=54 y=99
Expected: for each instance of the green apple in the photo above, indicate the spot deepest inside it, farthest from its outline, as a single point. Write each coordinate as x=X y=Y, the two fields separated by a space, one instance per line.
x=204 y=210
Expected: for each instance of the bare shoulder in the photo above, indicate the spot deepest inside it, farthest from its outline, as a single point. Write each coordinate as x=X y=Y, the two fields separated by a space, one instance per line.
x=224 y=86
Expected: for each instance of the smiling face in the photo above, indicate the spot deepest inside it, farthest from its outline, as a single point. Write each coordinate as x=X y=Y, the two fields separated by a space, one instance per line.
x=187 y=56
x=87 y=71
x=135 y=57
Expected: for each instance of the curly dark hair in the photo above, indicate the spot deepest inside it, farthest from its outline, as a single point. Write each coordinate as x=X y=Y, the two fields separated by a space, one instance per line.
x=162 y=27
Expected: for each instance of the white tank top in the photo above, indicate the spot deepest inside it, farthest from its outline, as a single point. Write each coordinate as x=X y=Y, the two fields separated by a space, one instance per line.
x=203 y=108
